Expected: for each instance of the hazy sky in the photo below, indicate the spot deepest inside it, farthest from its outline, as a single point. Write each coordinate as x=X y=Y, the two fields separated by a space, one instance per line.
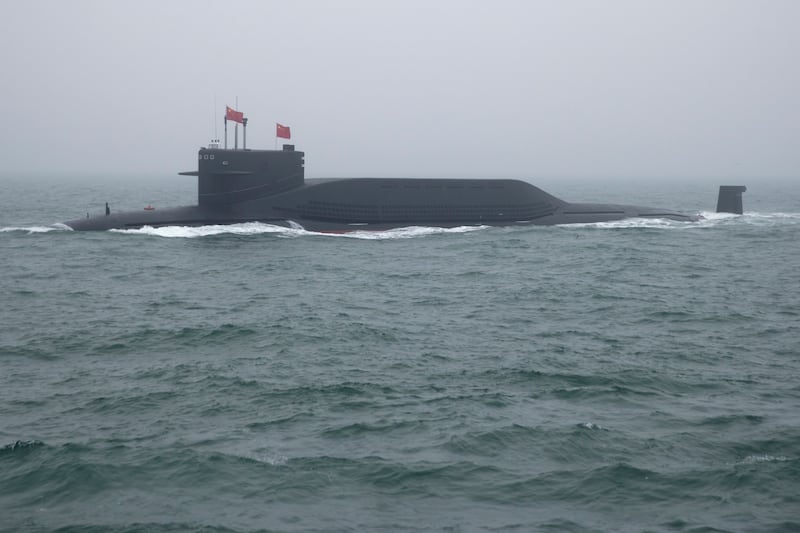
x=528 y=88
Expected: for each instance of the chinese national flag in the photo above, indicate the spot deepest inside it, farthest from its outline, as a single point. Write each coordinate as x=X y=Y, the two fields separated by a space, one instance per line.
x=232 y=114
x=283 y=132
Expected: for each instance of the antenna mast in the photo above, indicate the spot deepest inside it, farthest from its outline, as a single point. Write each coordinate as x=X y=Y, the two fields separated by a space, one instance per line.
x=215 y=141
x=236 y=129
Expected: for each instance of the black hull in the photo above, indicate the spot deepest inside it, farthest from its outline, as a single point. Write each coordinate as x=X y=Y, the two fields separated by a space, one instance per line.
x=326 y=218
x=269 y=186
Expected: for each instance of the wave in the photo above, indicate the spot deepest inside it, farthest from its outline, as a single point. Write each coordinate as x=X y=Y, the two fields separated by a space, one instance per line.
x=629 y=223
x=755 y=459
x=259 y=228
x=136 y=527
x=36 y=229
x=71 y=477
x=708 y=219
x=21 y=446
x=133 y=340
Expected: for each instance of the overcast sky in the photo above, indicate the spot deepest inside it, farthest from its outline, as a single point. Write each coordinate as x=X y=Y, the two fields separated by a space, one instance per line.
x=557 y=89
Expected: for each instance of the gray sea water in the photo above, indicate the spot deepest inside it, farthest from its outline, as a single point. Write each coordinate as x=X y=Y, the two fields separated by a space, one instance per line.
x=632 y=376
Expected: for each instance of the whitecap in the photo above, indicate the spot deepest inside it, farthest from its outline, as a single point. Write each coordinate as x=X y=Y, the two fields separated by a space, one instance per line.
x=751 y=459
x=590 y=425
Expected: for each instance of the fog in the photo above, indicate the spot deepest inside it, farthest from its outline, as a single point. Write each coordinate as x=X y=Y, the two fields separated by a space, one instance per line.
x=551 y=89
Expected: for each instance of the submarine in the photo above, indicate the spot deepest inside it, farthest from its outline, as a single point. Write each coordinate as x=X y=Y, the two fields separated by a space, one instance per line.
x=242 y=185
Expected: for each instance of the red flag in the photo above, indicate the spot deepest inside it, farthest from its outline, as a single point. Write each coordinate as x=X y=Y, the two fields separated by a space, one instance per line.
x=283 y=132
x=232 y=114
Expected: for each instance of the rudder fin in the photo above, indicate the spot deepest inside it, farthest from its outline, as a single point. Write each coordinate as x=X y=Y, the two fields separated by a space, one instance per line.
x=730 y=199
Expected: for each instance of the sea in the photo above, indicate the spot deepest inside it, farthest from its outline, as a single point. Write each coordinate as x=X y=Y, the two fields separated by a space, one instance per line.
x=639 y=375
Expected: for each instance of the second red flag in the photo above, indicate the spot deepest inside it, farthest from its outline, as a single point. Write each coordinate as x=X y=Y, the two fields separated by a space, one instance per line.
x=283 y=132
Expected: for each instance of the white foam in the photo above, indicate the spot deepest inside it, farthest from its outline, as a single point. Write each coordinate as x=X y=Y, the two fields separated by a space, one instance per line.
x=257 y=228
x=36 y=229
x=708 y=219
x=772 y=218
x=631 y=223
x=751 y=459
x=591 y=425
x=277 y=460
x=405 y=233
x=190 y=232
x=748 y=219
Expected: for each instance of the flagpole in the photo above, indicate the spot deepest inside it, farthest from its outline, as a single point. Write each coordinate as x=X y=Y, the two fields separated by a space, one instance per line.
x=226 y=131
x=236 y=129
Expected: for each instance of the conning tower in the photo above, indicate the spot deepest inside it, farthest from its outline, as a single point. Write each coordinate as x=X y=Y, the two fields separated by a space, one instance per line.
x=227 y=177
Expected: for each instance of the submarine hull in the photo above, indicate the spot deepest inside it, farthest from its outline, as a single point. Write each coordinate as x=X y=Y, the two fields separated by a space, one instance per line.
x=237 y=186
x=317 y=209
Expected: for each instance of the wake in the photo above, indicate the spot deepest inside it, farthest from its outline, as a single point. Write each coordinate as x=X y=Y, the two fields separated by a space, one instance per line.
x=259 y=228
x=709 y=219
